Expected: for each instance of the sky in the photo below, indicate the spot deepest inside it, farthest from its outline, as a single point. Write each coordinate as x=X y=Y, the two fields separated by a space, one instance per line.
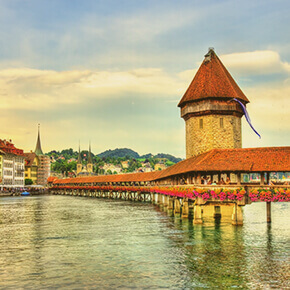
x=112 y=72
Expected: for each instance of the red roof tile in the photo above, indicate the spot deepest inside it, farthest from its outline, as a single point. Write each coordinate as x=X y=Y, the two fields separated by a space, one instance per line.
x=51 y=179
x=212 y=80
x=269 y=159
x=8 y=147
x=29 y=158
x=129 y=177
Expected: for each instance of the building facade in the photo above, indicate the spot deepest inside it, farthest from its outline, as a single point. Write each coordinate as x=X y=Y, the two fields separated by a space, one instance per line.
x=31 y=166
x=212 y=116
x=37 y=165
x=12 y=165
x=85 y=169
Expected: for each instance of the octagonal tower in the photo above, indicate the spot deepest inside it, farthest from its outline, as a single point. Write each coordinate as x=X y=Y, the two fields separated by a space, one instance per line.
x=212 y=118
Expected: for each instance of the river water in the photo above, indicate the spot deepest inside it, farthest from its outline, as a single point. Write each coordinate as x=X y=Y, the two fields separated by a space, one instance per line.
x=74 y=242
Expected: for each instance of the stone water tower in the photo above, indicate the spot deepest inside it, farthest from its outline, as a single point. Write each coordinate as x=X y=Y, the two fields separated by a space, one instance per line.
x=212 y=118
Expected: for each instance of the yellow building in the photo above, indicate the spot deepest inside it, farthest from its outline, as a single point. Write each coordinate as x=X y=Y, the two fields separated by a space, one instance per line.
x=31 y=166
x=159 y=166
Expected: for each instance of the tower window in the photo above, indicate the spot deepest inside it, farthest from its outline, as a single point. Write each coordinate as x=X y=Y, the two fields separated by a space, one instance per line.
x=221 y=122
x=200 y=123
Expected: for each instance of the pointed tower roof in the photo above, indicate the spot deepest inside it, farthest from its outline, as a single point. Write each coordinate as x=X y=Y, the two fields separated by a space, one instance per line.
x=38 y=150
x=90 y=155
x=212 y=80
x=79 y=157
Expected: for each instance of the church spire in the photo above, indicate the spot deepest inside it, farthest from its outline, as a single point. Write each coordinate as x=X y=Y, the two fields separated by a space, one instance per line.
x=90 y=155
x=79 y=163
x=90 y=163
x=79 y=157
x=38 y=150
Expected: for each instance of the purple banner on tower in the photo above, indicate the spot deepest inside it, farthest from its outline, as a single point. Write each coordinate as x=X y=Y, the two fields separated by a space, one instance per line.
x=246 y=115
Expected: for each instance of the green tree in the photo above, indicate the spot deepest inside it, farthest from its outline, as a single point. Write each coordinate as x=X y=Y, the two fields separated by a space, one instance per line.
x=28 y=181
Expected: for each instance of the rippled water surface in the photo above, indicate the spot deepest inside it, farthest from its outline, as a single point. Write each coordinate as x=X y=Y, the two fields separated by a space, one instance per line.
x=71 y=242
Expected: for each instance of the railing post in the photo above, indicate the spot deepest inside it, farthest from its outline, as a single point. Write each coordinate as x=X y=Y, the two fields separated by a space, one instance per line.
x=239 y=178
x=262 y=180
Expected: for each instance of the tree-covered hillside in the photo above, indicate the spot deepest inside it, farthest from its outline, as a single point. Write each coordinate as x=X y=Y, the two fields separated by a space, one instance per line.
x=108 y=162
x=123 y=152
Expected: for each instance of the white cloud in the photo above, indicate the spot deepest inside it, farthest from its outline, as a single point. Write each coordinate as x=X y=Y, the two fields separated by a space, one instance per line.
x=270 y=106
x=31 y=87
x=255 y=63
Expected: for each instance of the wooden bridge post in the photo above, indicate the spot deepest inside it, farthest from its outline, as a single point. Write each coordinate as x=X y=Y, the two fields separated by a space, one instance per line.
x=197 y=214
x=237 y=216
x=185 y=208
x=165 y=201
x=176 y=206
x=170 y=207
x=268 y=205
x=153 y=197
x=159 y=199
x=170 y=203
x=217 y=212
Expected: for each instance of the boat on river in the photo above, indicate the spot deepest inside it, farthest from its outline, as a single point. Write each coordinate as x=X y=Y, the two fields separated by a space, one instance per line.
x=25 y=193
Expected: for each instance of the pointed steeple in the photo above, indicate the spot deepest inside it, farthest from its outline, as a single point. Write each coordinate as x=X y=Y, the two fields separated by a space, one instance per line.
x=212 y=80
x=90 y=163
x=79 y=157
x=90 y=155
x=38 y=150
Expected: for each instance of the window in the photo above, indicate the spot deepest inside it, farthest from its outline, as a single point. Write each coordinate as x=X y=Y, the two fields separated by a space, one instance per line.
x=221 y=122
x=200 y=123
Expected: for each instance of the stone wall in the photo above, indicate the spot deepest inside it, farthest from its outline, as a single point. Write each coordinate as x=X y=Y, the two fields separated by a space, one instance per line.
x=204 y=133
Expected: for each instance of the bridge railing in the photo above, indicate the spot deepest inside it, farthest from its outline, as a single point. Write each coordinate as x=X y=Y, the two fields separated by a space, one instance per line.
x=248 y=194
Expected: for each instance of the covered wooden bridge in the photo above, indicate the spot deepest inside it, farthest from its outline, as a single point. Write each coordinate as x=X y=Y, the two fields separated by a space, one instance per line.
x=182 y=187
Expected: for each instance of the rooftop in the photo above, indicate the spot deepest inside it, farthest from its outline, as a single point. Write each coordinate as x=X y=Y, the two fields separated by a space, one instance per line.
x=212 y=80
x=8 y=147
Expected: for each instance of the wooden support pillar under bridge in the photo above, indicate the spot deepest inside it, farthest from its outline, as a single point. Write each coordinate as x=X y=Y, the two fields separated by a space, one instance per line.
x=178 y=206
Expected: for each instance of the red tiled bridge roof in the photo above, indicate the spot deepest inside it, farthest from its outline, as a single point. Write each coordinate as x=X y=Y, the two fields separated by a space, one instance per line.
x=267 y=159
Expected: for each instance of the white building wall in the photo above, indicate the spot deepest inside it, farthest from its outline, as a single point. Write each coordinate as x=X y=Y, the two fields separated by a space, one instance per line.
x=19 y=171
x=13 y=170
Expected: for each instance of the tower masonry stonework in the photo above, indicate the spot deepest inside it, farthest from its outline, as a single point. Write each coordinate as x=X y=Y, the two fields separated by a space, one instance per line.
x=212 y=117
x=211 y=134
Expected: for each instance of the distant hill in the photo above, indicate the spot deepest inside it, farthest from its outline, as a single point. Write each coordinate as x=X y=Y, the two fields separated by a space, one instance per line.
x=146 y=156
x=122 y=152
x=65 y=161
x=168 y=156
x=130 y=154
